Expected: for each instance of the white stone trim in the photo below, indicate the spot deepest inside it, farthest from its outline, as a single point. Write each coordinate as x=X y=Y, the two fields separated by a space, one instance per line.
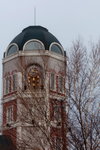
x=8 y=98
x=36 y=53
x=57 y=97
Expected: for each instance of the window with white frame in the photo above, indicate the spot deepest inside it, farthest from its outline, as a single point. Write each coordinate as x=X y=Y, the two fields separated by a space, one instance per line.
x=57 y=112
x=9 y=114
x=60 y=84
x=10 y=83
x=7 y=85
x=52 y=81
x=14 y=82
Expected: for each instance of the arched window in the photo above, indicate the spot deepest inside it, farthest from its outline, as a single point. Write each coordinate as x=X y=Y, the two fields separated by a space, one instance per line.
x=33 y=45
x=55 y=47
x=13 y=48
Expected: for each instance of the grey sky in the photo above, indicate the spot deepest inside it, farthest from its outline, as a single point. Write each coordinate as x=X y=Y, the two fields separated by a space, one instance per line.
x=66 y=19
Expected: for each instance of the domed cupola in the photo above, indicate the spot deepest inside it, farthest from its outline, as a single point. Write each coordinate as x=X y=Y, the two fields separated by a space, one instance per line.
x=34 y=38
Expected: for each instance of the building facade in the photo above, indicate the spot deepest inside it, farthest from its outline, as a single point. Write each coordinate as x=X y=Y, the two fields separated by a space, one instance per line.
x=34 y=94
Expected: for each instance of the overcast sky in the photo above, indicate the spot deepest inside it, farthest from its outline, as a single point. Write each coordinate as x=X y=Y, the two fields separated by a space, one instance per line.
x=66 y=19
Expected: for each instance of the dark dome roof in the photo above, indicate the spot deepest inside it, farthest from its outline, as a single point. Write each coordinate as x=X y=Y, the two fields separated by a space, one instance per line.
x=35 y=32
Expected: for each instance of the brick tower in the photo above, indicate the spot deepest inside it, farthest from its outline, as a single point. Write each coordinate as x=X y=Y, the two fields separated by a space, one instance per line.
x=34 y=95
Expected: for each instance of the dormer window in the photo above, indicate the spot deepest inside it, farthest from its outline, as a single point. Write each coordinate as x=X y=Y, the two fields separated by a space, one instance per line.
x=13 y=48
x=55 y=47
x=33 y=45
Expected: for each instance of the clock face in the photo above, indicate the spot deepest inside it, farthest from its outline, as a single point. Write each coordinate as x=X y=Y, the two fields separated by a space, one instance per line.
x=34 y=77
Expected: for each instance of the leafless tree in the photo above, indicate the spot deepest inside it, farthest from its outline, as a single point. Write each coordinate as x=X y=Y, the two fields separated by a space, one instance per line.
x=33 y=111
x=83 y=100
x=83 y=97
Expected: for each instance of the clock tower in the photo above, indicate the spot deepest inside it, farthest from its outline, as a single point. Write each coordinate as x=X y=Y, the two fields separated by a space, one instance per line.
x=34 y=94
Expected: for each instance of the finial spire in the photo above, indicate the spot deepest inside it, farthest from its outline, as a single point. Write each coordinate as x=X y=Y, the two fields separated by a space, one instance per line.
x=34 y=15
